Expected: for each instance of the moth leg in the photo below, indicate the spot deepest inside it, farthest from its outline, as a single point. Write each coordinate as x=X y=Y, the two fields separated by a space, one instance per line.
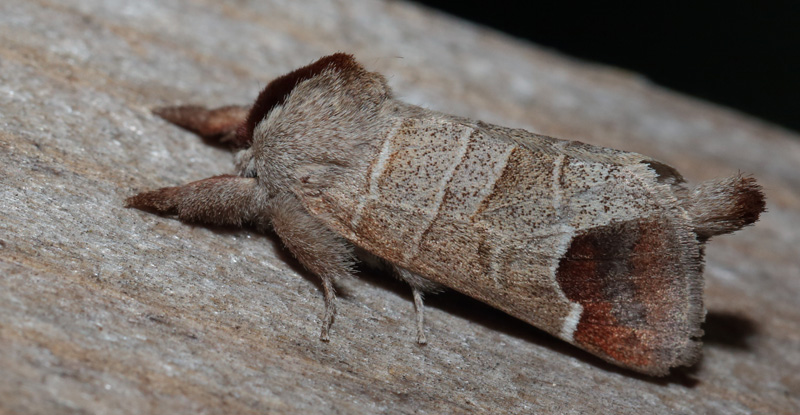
x=330 y=308
x=218 y=124
x=316 y=247
x=419 y=286
x=219 y=200
x=418 y=306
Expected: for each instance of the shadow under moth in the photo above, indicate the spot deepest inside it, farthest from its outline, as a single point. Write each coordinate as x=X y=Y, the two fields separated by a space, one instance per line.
x=599 y=247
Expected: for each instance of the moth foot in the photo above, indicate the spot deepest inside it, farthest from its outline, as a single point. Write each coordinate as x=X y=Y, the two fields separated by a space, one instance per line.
x=330 y=313
x=324 y=335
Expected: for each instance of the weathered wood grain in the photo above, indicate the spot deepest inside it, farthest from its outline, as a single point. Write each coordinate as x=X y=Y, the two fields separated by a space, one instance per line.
x=108 y=310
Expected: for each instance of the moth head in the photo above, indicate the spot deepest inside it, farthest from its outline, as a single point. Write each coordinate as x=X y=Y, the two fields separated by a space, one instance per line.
x=281 y=88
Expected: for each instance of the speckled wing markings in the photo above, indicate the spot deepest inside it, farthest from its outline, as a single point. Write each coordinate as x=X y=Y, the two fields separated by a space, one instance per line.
x=405 y=188
x=541 y=225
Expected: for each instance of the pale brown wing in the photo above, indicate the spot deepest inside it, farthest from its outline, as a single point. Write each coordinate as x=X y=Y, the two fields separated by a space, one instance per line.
x=580 y=241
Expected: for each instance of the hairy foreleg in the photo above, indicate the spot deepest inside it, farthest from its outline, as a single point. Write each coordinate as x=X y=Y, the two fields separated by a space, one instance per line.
x=316 y=247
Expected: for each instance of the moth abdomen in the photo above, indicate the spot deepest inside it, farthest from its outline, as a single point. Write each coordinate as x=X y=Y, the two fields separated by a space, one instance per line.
x=725 y=205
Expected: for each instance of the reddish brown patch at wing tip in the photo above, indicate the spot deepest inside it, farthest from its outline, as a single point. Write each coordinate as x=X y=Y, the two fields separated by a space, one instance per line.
x=623 y=276
x=275 y=92
x=584 y=275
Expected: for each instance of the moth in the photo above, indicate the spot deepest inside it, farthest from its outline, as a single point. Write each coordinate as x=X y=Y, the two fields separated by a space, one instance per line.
x=599 y=247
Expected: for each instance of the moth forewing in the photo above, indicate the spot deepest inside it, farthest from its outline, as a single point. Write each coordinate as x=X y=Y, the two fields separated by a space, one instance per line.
x=548 y=236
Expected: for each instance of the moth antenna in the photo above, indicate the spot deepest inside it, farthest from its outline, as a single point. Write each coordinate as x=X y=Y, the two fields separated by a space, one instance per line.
x=725 y=205
x=215 y=124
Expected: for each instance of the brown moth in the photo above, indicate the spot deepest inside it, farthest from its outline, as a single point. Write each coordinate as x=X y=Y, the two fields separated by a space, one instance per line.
x=599 y=247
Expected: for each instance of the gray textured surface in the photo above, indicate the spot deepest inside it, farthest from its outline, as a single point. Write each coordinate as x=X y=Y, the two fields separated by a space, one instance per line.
x=108 y=310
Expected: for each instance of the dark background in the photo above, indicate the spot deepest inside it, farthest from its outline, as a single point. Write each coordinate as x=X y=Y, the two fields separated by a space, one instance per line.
x=741 y=54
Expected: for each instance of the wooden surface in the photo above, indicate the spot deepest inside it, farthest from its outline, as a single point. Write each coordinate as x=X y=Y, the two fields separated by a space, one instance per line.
x=106 y=310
